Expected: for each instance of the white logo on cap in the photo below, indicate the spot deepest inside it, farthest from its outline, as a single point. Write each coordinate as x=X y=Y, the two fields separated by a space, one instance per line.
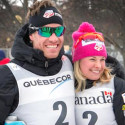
x=57 y=14
x=88 y=42
x=98 y=47
x=48 y=14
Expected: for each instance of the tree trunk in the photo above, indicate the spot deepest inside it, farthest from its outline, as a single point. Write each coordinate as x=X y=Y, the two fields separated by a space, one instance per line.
x=25 y=6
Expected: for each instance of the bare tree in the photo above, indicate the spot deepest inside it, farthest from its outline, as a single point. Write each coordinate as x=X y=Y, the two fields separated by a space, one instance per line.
x=108 y=16
x=9 y=23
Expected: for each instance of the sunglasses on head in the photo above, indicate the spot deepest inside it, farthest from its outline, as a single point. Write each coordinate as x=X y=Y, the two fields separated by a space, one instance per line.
x=48 y=31
x=89 y=36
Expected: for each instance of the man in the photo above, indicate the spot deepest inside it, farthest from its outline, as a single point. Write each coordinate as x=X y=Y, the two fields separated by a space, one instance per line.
x=37 y=86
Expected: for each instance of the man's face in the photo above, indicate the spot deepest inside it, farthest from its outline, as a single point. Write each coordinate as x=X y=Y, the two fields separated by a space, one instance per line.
x=50 y=46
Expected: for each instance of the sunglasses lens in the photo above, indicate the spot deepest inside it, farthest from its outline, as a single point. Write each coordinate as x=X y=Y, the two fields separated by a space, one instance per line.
x=48 y=31
x=59 y=31
x=45 y=31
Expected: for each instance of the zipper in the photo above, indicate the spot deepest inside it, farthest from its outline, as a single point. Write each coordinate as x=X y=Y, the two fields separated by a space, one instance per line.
x=46 y=65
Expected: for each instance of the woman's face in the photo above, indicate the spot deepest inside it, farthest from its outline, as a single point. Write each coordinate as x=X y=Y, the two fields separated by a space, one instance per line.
x=92 y=67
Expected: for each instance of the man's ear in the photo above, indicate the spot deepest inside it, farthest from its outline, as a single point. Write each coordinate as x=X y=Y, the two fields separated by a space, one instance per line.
x=31 y=37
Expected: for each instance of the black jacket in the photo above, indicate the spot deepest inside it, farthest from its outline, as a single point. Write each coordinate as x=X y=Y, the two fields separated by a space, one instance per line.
x=30 y=59
x=119 y=84
x=118 y=100
x=118 y=69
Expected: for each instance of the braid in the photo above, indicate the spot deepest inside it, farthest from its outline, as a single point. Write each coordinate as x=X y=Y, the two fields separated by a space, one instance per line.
x=35 y=8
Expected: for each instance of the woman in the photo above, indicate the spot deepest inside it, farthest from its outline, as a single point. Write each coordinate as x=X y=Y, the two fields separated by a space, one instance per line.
x=100 y=96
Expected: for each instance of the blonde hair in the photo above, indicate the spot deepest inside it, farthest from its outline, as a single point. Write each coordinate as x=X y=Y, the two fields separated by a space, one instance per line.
x=81 y=80
x=35 y=8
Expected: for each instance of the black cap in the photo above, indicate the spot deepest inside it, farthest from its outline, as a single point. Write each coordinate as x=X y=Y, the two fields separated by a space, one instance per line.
x=46 y=16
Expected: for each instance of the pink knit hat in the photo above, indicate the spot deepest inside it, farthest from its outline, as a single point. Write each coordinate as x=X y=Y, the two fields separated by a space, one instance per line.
x=87 y=42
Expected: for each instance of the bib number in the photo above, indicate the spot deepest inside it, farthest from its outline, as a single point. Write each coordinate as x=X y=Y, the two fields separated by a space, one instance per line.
x=93 y=119
x=63 y=112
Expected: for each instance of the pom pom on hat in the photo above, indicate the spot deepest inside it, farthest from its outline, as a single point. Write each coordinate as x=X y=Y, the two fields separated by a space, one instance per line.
x=85 y=27
x=87 y=42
